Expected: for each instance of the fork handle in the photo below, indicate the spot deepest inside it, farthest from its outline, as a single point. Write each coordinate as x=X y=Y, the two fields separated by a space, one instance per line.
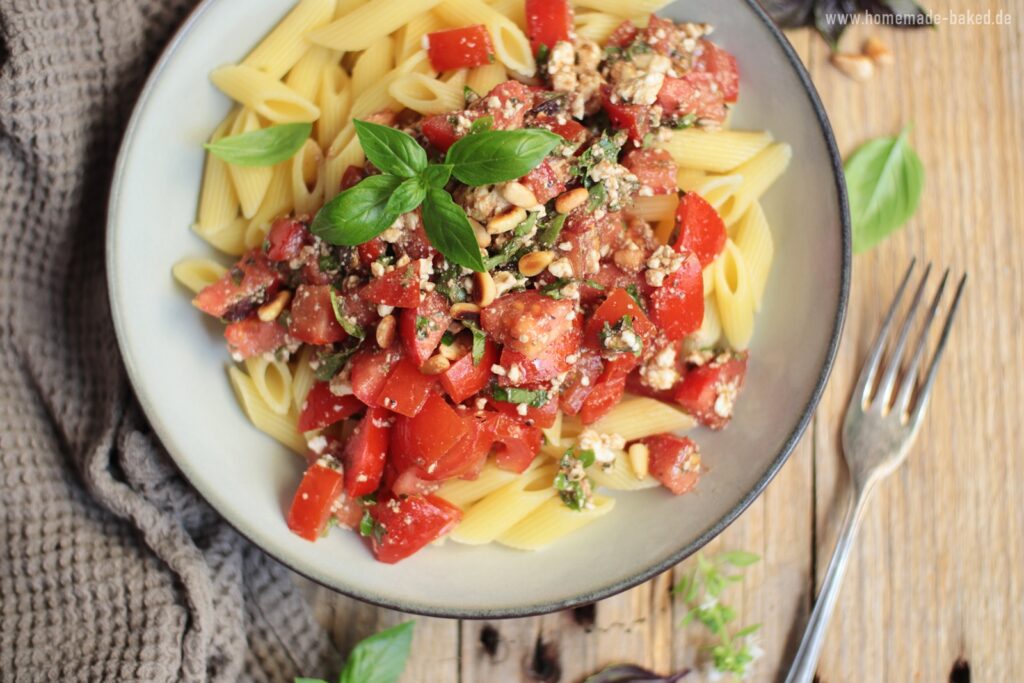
x=806 y=661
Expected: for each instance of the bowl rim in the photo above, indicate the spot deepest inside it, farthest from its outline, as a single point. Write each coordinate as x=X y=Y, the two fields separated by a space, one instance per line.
x=603 y=592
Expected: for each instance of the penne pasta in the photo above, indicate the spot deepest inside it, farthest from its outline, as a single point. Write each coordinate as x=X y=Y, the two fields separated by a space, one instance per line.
x=250 y=182
x=307 y=179
x=287 y=43
x=277 y=202
x=426 y=95
x=196 y=274
x=374 y=64
x=718 y=151
x=758 y=175
x=335 y=102
x=638 y=416
x=623 y=8
x=218 y=201
x=279 y=427
x=710 y=332
x=409 y=38
x=463 y=493
x=302 y=377
x=656 y=208
x=513 y=9
x=754 y=240
x=511 y=46
x=596 y=26
x=272 y=380
x=340 y=156
x=483 y=79
x=366 y=24
x=306 y=76
x=553 y=521
x=265 y=95
x=229 y=239
x=500 y=511
x=734 y=296
x=620 y=476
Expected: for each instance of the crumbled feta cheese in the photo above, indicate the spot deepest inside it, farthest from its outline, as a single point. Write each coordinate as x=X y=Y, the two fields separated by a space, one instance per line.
x=384 y=310
x=660 y=372
x=603 y=445
x=317 y=444
x=522 y=409
x=561 y=268
x=663 y=262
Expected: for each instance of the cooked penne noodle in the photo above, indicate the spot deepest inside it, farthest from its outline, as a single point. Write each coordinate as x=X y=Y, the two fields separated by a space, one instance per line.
x=250 y=182
x=335 y=101
x=229 y=238
x=718 y=151
x=378 y=98
x=638 y=416
x=513 y=9
x=302 y=377
x=366 y=24
x=689 y=178
x=273 y=382
x=265 y=95
x=511 y=46
x=596 y=26
x=306 y=77
x=623 y=8
x=758 y=175
x=718 y=189
x=307 y=179
x=709 y=278
x=426 y=95
x=710 y=332
x=277 y=202
x=483 y=79
x=279 y=427
x=409 y=38
x=501 y=510
x=463 y=493
x=196 y=274
x=735 y=297
x=218 y=201
x=620 y=476
x=754 y=240
x=373 y=64
x=552 y=521
x=287 y=43
x=346 y=7
x=339 y=158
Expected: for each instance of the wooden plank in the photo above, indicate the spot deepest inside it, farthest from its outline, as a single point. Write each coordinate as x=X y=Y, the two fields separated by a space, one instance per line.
x=935 y=576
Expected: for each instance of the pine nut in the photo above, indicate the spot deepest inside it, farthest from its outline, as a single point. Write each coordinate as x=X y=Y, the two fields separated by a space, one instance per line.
x=878 y=52
x=386 y=332
x=639 y=459
x=507 y=221
x=483 y=238
x=461 y=311
x=456 y=350
x=573 y=199
x=484 y=290
x=535 y=262
x=857 y=67
x=273 y=308
x=630 y=260
x=519 y=195
x=436 y=365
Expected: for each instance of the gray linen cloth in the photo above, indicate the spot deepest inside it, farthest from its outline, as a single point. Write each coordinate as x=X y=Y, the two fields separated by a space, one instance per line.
x=111 y=567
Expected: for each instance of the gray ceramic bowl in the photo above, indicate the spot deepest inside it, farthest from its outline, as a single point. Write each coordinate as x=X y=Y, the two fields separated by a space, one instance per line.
x=176 y=359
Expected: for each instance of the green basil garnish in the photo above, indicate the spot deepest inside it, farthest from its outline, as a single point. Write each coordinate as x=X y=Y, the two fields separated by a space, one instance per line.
x=264 y=147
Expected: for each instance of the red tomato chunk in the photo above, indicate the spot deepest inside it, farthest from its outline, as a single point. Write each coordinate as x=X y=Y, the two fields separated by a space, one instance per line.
x=708 y=392
x=548 y=22
x=674 y=461
x=465 y=378
x=677 y=307
x=460 y=48
x=252 y=281
x=365 y=453
x=317 y=493
x=313 y=319
x=404 y=525
x=253 y=337
x=654 y=168
x=322 y=408
x=399 y=287
x=701 y=229
x=406 y=389
x=527 y=322
x=422 y=328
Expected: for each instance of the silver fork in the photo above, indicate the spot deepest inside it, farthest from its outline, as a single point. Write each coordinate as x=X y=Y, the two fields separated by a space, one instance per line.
x=877 y=434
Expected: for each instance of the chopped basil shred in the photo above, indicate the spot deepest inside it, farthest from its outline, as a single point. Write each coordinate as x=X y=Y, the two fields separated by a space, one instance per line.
x=479 y=341
x=550 y=232
x=571 y=482
x=634 y=292
x=514 y=244
x=330 y=364
x=350 y=326
x=535 y=398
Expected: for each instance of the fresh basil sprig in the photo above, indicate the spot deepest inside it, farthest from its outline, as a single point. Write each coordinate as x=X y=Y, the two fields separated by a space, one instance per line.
x=380 y=658
x=360 y=213
x=884 y=179
x=264 y=147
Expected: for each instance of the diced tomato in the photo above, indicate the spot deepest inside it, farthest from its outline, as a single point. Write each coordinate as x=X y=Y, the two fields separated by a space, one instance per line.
x=516 y=444
x=371 y=251
x=352 y=176
x=580 y=381
x=399 y=288
x=253 y=337
x=365 y=453
x=370 y=370
x=421 y=328
x=622 y=36
x=709 y=391
x=465 y=378
x=654 y=168
x=677 y=307
x=548 y=22
x=663 y=35
x=252 y=281
x=411 y=483
x=552 y=361
x=701 y=229
x=507 y=103
x=695 y=93
x=542 y=417
x=608 y=389
x=460 y=48
x=616 y=306
x=570 y=130
x=348 y=512
x=414 y=243
x=635 y=119
x=406 y=389
x=528 y=321
x=317 y=493
x=467 y=457
x=286 y=238
x=722 y=66
x=312 y=316
x=545 y=182
x=407 y=524
x=674 y=461
x=422 y=441
x=322 y=408
x=440 y=130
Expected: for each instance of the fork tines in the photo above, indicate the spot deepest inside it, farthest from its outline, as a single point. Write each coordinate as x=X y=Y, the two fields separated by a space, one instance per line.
x=882 y=397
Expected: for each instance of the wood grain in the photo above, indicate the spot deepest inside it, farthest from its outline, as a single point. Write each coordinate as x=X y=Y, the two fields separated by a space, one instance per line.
x=937 y=576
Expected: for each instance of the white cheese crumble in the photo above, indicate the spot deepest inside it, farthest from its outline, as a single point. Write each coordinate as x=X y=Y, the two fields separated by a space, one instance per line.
x=603 y=445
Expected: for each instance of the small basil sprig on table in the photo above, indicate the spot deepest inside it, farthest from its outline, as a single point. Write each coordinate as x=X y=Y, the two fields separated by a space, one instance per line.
x=380 y=658
x=360 y=213
x=264 y=147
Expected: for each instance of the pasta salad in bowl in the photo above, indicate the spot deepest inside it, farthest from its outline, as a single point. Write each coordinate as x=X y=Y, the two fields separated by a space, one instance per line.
x=491 y=271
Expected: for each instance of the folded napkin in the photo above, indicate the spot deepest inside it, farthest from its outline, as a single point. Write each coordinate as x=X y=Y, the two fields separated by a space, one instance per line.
x=111 y=566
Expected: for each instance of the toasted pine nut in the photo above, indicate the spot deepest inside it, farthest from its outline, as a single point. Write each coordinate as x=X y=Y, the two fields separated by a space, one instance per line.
x=461 y=311
x=535 y=262
x=573 y=199
x=878 y=52
x=436 y=365
x=456 y=350
x=483 y=238
x=630 y=260
x=857 y=67
x=504 y=222
x=639 y=459
x=273 y=308
x=518 y=194
x=484 y=290
x=386 y=332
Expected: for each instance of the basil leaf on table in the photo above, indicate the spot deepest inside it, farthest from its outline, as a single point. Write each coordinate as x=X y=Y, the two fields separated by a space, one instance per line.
x=500 y=155
x=359 y=213
x=407 y=196
x=264 y=147
x=380 y=658
x=448 y=229
x=884 y=180
x=390 y=150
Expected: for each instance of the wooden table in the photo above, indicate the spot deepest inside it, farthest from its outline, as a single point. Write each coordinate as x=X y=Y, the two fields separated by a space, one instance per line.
x=936 y=584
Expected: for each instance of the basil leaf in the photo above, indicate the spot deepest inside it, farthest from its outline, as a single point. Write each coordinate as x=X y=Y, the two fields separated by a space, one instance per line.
x=390 y=150
x=350 y=326
x=407 y=196
x=449 y=231
x=437 y=175
x=380 y=658
x=264 y=147
x=535 y=398
x=310 y=680
x=739 y=558
x=479 y=341
x=481 y=125
x=499 y=155
x=514 y=244
x=359 y=213
x=884 y=179
x=549 y=235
